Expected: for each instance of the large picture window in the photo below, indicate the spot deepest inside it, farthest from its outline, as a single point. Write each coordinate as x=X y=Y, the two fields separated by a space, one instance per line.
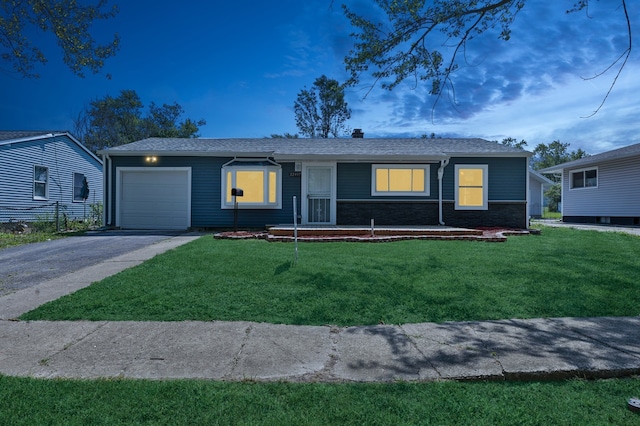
x=471 y=185
x=260 y=185
x=400 y=179
x=40 y=183
x=587 y=178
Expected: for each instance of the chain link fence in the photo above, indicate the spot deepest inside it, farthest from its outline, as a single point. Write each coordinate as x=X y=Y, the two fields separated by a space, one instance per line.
x=51 y=217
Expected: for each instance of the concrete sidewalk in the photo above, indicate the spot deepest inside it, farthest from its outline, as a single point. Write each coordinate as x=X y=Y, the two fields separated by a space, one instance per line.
x=498 y=350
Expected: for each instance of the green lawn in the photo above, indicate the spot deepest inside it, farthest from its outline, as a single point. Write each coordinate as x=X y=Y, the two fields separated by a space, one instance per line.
x=551 y=215
x=562 y=272
x=8 y=240
x=31 y=402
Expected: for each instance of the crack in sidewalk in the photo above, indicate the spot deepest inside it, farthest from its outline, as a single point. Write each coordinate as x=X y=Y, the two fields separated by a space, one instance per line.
x=237 y=356
x=414 y=344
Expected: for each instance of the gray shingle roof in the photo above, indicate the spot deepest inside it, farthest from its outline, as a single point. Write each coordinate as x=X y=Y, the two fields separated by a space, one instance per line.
x=12 y=135
x=326 y=148
x=8 y=137
x=627 y=151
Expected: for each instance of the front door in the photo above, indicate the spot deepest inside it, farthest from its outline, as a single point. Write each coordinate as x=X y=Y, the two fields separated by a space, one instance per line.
x=319 y=186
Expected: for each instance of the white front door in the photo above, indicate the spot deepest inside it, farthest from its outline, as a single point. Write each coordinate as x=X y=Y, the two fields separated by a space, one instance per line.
x=319 y=200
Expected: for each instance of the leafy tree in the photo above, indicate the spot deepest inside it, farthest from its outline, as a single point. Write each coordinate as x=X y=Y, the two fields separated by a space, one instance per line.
x=554 y=195
x=285 y=136
x=23 y=22
x=431 y=136
x=110 y=121
x=550 y=155
x=163 y=122
x=413 y=47
x=553 y=154
x=512 y=142
x=322 y=110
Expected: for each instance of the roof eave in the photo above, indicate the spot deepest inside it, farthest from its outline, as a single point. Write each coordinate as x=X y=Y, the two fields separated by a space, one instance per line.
x=360 y=158
x=52 y=135
x=490 y=154
x=29 y=138
x=160 y=152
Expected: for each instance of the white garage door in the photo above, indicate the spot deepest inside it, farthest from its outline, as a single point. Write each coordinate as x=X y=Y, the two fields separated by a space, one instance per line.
x=155 y=198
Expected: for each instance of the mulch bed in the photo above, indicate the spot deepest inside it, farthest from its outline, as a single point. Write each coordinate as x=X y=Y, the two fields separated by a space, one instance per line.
x=488 y=235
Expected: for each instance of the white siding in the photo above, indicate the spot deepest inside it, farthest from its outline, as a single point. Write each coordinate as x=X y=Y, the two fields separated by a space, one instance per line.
x=617 y=194
x=535 y=197
x=63 y=157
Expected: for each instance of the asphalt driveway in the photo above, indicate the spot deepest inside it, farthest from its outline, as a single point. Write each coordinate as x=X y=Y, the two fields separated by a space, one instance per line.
x=30 y=264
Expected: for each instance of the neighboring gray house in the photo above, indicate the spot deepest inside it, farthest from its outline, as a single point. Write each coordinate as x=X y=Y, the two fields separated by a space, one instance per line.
x=189 y=183
x=602 y=188
x=537 y=185
x=41 y=168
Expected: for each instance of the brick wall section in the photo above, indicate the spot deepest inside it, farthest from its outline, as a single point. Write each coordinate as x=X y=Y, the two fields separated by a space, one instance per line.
x=499 y=215
x=505 y=215
x=387 y=213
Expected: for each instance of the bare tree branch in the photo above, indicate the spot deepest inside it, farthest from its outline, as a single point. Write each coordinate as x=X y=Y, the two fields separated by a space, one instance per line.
x=625 y=55
x=409 y=48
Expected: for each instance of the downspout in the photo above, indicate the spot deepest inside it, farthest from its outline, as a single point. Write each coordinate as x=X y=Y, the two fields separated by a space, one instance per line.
x=106 y=168
x=443 y=164
x=528 y=195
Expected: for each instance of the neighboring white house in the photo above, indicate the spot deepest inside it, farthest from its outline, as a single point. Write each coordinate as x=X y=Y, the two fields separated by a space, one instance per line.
x=602 y=188
x=44 y=170
x=537 y=185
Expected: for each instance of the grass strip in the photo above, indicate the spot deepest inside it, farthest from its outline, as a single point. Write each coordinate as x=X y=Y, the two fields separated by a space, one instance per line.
x=27 y=401
x=9 y=240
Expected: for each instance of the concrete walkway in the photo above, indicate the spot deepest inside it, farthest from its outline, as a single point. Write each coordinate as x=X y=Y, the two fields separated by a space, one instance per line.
x=497 y=350
x=555 y=223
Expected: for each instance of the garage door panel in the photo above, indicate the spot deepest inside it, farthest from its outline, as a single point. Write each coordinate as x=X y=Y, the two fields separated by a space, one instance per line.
x=155 y=199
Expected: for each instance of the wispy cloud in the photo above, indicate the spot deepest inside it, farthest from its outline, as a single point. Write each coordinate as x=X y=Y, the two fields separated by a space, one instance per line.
x=531 y=86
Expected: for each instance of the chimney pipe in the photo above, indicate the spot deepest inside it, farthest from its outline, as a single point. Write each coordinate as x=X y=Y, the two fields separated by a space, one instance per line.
x=357 y=133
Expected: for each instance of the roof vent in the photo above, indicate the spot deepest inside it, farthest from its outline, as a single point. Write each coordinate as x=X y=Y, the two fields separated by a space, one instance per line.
x=357 y=133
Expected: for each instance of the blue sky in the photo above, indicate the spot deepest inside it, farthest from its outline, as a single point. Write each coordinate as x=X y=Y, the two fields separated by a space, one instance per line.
x=239 y=65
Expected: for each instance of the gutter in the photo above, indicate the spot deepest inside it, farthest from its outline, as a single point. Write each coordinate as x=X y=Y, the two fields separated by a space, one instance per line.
x=528 y=194
x=443 y=164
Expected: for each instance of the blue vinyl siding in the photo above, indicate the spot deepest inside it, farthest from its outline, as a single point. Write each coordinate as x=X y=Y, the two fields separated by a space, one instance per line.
x=354 y=183
x=206 y=211
x=507 y=178
x=507 y=182
x=63 y=157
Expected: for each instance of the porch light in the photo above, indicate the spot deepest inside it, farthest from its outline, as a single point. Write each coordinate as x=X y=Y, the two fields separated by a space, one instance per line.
x=151 y=159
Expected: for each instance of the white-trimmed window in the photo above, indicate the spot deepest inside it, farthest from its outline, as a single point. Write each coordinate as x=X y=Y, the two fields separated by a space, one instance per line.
x=587 y=178
x=471 y=186
x=40 y=183
x=80 y=188
x=260 y=185
x=400 y=179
